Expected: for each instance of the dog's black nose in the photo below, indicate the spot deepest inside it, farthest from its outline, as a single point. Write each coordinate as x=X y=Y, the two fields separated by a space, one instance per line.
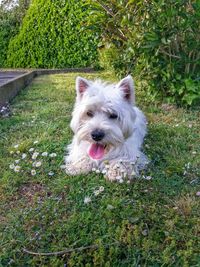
x=97 y=135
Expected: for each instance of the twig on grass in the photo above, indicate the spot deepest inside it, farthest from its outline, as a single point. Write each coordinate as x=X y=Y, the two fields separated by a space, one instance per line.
x=66 y=251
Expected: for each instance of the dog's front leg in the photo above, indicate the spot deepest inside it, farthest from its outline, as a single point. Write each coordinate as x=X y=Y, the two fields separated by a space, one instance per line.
x=83 y=166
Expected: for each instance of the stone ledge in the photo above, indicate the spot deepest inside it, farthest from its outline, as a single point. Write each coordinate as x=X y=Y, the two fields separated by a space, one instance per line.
x=10 y=88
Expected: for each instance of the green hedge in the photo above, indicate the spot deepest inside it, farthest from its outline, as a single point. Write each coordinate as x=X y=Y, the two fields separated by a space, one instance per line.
x=7 y=31
x=10 y=19
x=54 y=34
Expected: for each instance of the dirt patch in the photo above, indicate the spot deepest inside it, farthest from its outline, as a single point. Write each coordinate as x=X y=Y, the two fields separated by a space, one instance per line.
x=32 y=192
x=168 y=107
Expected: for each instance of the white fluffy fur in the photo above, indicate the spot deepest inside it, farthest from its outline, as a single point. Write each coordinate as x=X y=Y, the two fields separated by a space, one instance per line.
x=123 y=136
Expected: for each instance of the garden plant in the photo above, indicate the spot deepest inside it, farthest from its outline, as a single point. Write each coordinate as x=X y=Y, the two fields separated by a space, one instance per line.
x=157 y=41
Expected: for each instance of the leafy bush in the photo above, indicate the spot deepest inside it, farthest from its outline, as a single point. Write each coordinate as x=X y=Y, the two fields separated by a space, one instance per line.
x=11 y=15
x=7 y=30
x=54 y=34
x=159 y=41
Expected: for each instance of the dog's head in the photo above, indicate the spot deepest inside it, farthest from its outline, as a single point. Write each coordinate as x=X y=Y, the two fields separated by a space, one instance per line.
x=103 y=115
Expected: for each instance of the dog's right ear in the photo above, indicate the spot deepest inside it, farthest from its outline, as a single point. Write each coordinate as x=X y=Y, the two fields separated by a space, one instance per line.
x=81 y=86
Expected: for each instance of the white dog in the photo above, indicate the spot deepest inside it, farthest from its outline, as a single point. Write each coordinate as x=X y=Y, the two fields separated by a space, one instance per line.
x=108 y=130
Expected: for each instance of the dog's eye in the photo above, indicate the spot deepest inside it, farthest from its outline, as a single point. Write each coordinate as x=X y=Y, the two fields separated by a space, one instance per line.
x=90 y=113
x=113 y=116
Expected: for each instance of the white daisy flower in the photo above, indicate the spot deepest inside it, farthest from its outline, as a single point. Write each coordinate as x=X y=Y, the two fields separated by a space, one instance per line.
x=97 y=171
x=38 y=164
x=110 y=207
x=87 y=200
x=35 y=154
x=104 y=171
x=16 y=146
x=24 y=155
x=18 y=152
x=148 y=177
x=101 y=188
x=17 y=161
x=35 y=142
x=17 y=168
x=133 y=173
x=94 y=169
x=96 y=192
x=53 y=155
x=31 y=149
x=51 y=173
x=121 y=181
x=33 y=172
x=11 y=166
x=45 y=154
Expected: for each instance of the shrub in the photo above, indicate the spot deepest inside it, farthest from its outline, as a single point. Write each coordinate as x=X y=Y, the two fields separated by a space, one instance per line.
x=11 y=15
x=54 y=34
x=7 y=30
x=159 y=41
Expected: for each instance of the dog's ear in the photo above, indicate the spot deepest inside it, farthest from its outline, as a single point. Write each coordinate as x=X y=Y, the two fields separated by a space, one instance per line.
x=127 y=86
x=81 y=86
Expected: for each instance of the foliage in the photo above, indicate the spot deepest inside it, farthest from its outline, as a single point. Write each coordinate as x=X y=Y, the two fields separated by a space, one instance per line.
x=159 y=41
x=54 y=34
x=7 y=30
x=10 y=20
x=152 y=222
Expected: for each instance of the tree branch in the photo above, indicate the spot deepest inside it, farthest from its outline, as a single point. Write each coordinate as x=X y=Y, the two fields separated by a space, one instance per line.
x=106 y=8
x=168 y=54
x=110 y=12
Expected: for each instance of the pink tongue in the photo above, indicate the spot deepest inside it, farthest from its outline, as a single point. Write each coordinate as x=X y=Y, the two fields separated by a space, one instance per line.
x=96 y=151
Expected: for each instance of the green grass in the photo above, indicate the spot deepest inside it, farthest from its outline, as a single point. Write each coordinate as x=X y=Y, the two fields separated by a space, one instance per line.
x=152 y=222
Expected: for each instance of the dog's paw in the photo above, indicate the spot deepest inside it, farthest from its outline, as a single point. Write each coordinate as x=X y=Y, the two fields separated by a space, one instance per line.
x=71 y=170
x=120 y=171
x=77 y=168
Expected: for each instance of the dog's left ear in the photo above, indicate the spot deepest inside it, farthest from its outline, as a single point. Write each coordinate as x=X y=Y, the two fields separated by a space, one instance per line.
x=81 y=86
x=127 y=86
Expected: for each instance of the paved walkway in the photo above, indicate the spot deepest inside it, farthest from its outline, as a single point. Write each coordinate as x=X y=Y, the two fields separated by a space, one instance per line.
x=6 y=76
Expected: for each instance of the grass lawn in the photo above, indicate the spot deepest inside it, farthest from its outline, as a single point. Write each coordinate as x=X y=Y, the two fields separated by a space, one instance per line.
x=151 y=222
